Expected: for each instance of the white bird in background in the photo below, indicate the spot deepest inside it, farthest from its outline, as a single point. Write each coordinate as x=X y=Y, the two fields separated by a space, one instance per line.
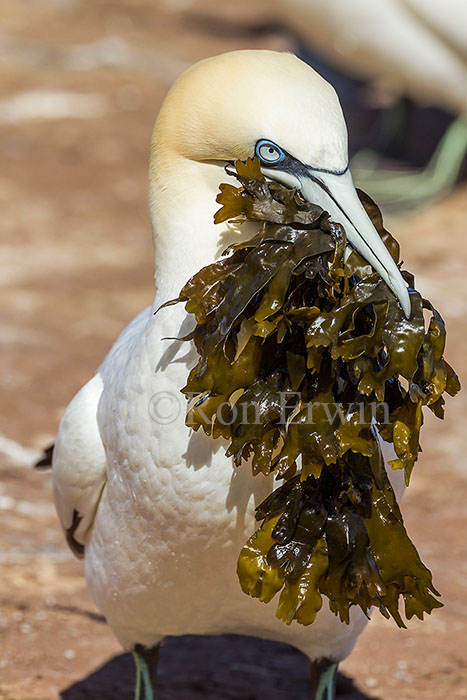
x=159 y=513
x=417 y=47
x=414 y=48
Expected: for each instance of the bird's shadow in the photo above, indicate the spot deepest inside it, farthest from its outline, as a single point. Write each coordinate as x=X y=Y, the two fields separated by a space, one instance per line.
x=229 y=667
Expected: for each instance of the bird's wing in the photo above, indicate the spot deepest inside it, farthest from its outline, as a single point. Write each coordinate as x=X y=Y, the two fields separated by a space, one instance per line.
x=402 y=42
x=46 y=460
x=79 y=465
x=447 y=20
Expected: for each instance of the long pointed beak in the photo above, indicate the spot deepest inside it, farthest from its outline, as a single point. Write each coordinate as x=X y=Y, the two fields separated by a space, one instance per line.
x=344 y=206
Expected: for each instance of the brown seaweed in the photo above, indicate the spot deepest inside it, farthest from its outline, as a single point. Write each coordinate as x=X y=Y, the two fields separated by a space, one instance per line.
x=304 y=358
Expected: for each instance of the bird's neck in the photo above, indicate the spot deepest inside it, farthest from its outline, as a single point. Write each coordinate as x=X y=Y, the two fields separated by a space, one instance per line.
x=182 y=202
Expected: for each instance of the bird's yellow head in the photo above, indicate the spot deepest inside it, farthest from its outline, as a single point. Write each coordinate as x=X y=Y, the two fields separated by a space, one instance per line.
x=274 y=106
x=221 y=107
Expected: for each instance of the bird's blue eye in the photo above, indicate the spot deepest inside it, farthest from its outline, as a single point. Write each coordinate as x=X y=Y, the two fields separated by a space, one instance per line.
x=268 y=152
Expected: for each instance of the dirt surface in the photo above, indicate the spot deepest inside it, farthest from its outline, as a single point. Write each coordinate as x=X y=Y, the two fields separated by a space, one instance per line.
x=80 y=84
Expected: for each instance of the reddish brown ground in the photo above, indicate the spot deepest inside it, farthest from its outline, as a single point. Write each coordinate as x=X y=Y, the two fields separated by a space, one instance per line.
x=76 y=243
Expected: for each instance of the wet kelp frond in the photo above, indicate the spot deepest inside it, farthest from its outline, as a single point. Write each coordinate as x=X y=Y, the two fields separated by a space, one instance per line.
x=304 y=357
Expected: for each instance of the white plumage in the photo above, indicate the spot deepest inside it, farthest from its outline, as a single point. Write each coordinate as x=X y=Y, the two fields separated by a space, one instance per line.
x=416 y=47
x=164 y=513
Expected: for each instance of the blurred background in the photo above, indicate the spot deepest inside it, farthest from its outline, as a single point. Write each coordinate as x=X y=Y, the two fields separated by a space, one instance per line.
x=81 y=84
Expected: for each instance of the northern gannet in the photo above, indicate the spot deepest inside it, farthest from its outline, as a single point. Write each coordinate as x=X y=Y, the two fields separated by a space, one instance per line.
x=159 y=513
x=416 y=47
